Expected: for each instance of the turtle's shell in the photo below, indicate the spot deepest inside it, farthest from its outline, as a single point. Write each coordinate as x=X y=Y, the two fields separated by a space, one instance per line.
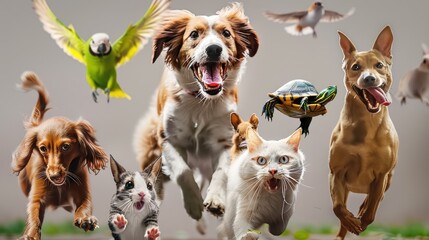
x=296 y=88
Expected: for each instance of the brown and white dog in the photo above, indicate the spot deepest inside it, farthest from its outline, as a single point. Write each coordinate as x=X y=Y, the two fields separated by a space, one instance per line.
x=189 y=124
x=364 y=144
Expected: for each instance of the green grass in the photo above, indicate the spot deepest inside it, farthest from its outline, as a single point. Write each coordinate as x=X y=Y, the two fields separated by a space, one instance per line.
x=17 y=227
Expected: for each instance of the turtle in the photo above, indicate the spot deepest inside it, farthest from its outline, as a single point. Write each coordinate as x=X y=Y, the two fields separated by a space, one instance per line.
x=299 y=99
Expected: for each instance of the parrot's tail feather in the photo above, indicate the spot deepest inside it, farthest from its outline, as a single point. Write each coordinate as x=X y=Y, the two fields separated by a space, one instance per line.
x=117 y=92
x=30 y=81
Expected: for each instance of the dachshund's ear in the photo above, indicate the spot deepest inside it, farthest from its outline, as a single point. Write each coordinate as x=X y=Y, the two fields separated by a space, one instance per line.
x=23 y=153
x=95 y=157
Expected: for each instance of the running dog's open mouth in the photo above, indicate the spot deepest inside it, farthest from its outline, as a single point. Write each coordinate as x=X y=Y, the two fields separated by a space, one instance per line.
x=372 y=97
x=210 y=75
x=272 y=184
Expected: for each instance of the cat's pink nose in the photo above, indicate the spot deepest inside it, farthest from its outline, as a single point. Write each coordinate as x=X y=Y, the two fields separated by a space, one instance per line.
x=272 y=171
x=141 y=194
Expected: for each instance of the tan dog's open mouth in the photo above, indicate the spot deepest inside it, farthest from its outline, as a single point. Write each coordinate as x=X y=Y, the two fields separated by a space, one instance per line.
x=210 y=75
x=373 y=97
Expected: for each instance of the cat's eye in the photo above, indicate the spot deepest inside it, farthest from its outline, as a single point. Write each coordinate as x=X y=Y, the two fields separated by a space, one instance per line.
x=65 y=147
x=284 y=159
x=43 y=149
x=129 y=185
x=379 y=65
x=194 y=35
x=149 y=186
x=261 y=161
x=226 y=33
x=355 y=67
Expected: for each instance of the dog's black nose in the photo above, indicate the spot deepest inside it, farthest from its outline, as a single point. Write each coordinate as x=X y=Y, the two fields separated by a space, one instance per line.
x=369 y=80
x=213 y=52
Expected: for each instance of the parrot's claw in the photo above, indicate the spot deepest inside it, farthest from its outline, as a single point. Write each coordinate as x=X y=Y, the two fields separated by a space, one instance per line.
x=94 y=95
x=107 y=92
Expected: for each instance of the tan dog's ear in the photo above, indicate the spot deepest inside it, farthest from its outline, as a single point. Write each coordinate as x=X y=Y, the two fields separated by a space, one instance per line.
x=96 y=158
x=254 y=120
x=235 y=120
x=246 y=37
x=383 y=43
x=346 y=45
x=116 y=169
x=170 y=36
x=253 y=140
x=294 y=139
x=23 y=153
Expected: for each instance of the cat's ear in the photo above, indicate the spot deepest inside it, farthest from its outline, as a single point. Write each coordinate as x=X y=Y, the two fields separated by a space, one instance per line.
x=294 y=139
x=117 y=169
x=154 y=169
x=254 y=120
x=253 y=140
x=235 y=120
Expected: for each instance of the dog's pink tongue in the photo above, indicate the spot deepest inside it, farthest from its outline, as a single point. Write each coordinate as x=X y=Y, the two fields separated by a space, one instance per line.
x=211 y=75
x=379 y=96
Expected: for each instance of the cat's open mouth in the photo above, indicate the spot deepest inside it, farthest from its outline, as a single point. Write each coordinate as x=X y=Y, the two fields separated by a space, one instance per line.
x=139 y=205
x=272 y=184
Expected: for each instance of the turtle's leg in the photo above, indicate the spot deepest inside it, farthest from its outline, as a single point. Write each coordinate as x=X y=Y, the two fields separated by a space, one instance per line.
x=268 y=108
x=304 y=104
x=305 y=124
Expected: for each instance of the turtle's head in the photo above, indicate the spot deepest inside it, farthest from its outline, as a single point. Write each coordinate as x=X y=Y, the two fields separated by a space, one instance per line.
x=326 y=95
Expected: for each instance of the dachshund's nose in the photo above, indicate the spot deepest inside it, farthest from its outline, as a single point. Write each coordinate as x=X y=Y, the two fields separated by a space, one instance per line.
x=369 y=80
x=213 y=52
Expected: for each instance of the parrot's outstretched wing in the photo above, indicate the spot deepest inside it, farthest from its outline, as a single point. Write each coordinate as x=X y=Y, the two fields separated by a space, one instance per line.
x=138 y=35
x=66 y=37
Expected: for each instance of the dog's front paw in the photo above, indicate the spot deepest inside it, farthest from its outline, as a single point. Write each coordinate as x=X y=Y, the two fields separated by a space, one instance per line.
x=88 y=223
x=118 y=223
x=26 y=237
x=215 y=205
x=352 y=224
x=250 y=236
x=152 y=233
x=192 y=198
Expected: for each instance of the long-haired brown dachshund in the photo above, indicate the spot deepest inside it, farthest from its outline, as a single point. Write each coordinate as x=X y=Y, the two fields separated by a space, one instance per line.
x=52 y=162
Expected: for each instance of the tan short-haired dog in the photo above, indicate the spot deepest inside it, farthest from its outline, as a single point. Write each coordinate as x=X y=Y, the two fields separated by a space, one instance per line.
x=364 y=144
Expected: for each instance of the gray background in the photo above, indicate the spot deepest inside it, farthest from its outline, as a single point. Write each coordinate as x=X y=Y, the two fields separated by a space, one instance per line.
x=281 y=57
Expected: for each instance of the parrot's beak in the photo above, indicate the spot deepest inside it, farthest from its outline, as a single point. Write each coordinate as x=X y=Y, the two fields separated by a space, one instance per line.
x=102 y=49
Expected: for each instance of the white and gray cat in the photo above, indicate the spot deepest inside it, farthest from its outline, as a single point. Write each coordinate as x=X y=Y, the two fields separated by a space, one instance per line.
x=262 y=186
x=133 y=210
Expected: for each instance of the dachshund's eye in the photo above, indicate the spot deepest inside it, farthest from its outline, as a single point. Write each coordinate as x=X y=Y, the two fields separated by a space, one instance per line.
x=194 y=35
x=149 y=186
x=379 y=65
x=226 y=33
x=65 y=147
x=43 y=149
x=284 y=159
x=261 y=161
x=356 y=67
x=129 y=185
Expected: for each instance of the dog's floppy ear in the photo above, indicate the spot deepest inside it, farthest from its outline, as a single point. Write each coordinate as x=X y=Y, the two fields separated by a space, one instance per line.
x=95 y=157
x=346 y=45
x=116 y=169
x=235 y=120
x=170 y=36
x=246 y=37
x=383 y=43
x=23 y=152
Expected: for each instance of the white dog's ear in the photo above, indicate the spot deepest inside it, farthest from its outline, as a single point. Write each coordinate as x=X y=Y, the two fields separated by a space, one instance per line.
x=346 y=45
x=383 y=43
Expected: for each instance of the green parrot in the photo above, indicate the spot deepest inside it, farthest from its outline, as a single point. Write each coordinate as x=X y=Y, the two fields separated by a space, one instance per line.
x=100 y=57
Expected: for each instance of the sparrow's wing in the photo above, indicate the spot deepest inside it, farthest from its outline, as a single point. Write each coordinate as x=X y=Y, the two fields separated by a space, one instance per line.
x=137 y=35
x=66 y=37
x=331 y=16
x=292 y=17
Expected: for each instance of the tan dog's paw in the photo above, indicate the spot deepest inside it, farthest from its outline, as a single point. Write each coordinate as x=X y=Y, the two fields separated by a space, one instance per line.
x=86 y=223
x=26 y=237
x=214 y=205
x=352 y=225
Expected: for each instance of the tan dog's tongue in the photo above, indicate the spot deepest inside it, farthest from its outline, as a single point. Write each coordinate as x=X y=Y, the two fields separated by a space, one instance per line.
x=211 y=75
x=379 y=96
